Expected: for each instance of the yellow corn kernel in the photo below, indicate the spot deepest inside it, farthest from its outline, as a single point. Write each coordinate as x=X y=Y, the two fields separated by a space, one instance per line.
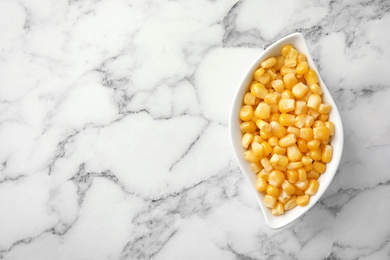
x=309 y=121
x=314 y=101
x=293 y=130
x=313 y=187
x=319 y=167
x=278 y=209
x=263 y=174
x=302 y=145
x=267 y=149
x=306 y=133
x=246 y=139
x=311 y=77
x=274 y=117
x=279 y=150
x=330 y=126
x=306 y=160
x=266 y=164
x=265 y=78
x=287 y=140
x=279 y=63
x=325 y=108
x=250 y=99
x=256 y=167
x=268 y=63
x=300 y=107
x=288 y=187
x=321 y=133
x=312 y=175
x=272 y=74
x=258 y=139
x=299 y=192
x=289 y=80
x=263 y=111
x=246 y=113
x=308 y=167
x=318 y=123
x=286 y=49
x=302 y=67
x=292 y=176
x=306 y=96
x=313 y=145
x=286 y=70
x=293 y=153
x=248 y=127
x=301 y=174
x=327 y=152
x=257 y=149
x=272 y=190
x=280 y=168
x=251 y=157
x=299 y=90
x=261 y=184
x=277 y=129
x=316 y=89
x=283 y=161
x=286 y=105
x=300 y=121
x=292 y=203
x=274 y=160
x=259 y=90
x=276 y=178
x=263 y=126
x=258 y=73
x=292 y=54
x=269 y=201
x=314 y=113
x=291 y=63
x=323 y=117
x=278 y=85
x=287 y=119
x=316 y=154
x=272 y=98
x=303 y=200
x=273 y=141
x=301 y=57
x=294 y=165
x=283 y=196
x=302 y=185
x=274 y=108
x=287 y=94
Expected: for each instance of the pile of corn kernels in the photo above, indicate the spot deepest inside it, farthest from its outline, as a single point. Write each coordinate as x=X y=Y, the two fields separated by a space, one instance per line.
x=286 y=131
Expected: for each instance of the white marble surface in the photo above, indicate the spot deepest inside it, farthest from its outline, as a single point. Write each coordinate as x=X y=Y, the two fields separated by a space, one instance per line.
x=114 y=135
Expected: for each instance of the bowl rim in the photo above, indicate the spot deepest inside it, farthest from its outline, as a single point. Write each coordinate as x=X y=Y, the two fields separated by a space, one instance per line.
x=281 y=221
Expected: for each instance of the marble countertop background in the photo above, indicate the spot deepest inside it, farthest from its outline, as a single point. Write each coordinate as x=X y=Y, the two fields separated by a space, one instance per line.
x=114 y=129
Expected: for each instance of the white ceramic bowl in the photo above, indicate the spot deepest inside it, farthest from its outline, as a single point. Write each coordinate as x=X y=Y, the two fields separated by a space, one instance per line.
x=297 y=40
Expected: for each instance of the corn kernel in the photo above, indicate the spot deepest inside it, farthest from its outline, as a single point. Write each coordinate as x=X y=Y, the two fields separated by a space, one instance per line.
x=321 y=133
x=251 y=157
x=301 y=174
x=314 y=113
x=263 y=174
x=257 y=149
x=267 y=149
x=246 y=139
x=311 y=77
x=330 y=126
x=302 y=67
x=287 y=140
x=268 y=63
x=276 y=178
x=287 y=94
x=291 y=63
x=274 y=160
x=266 y=164
x=261 y=184
x=314 y=101
x=292 y=176
x=327 y=152
x=246 y=113
x=302 y=185
x=277 y=129
x=272 y=190
x=263 y=126
x=316 y=154
x=313 y=145
x=263 y=111
x=306 y=133
x=302 y=200
x=278 y=209
x=280 y=168
x=256 y=167
x=293 y=130
x=306 y=160
x=274 y=117
x=269 y=201
x=286 y=105
x=258 y=139
x=301 y=57
x=302 y=145
x=250 y=99
x=312 y=175
x=318 y=123
x=323 y=117
x=283 y=161
x=284 y=70
x=325 y=108
x=289 y=80
x=279 y=150
x=300 y=107
x=272 y=98
x=265 y=78
x=319 y=167
x=286 y=49
x=274 y=108
x=258 y=73
x=248 y=127
x=292 y=203
x=294 y=165
x=313 y=187
x=259 y=90
x=300 y=121
x=299 y=90
x=288 y=187
x=287 y=119
x=316 y=89
x=283 y=196
x=278 y=85
x=299 y=192
x=273 y=141
x=293 y=153
x=308 y=167
x=279 y=63
x=309 y=121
